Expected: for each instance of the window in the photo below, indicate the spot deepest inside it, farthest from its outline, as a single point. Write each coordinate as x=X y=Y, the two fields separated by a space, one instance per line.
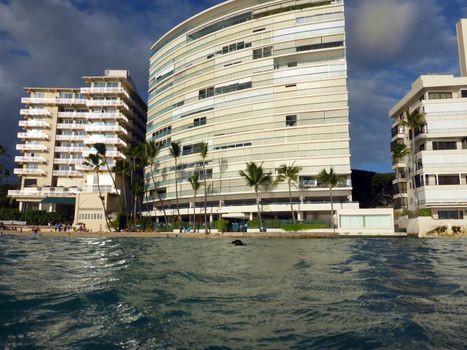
x=307 y=182
x=464 y=143
x=191 y=149
x=450 y=215
x=464 y=93
x=30 y=183
x=291 y=120
x=199 y=121
x=292 y=64
x=258 y=30
x=205 y=93
x=448 y=180
x=439 y=95
x=320 y=46
x=444 y=145
x=263 y=52
x=422 y=147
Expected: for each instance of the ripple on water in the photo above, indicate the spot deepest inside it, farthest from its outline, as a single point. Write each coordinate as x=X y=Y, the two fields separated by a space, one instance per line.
x=207 y=294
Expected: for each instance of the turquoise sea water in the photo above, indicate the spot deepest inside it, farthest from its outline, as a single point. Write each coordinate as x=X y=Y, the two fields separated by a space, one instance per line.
x=208 y=294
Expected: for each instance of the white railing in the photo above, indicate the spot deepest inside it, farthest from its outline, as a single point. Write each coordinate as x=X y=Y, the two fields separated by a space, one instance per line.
x=68 y=160
x=107 y=103
x=70 y=126
x=72 y=114
x=103 y=189
x=112 y=154
x=106 y=116
x=22 y=159
x=106 y=141
x=70 y=137
x=31 y=147
x=33 y=135
x=30 y=111
x=33 y=124
x=49 y=192
x=104 y=90
x=70 y=149
x=105 y=128
x=21 y=171
x=52 y=100
x=67 y=173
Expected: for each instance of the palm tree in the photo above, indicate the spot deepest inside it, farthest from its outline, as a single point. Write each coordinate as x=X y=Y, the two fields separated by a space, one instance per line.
x=123 y=168
x=135 y=153
x=413 y=120
x=256 y=177
x=175 y=151
x=289 y=174
x=138 y=192
x=195 y=185
x=398 y=153
x=95 y=162
x=152 y=151
x=204 y=147
x=330 y=180
x=101 y=151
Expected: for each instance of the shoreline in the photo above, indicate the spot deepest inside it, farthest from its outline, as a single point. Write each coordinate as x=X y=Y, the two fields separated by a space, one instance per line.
x=213 y=235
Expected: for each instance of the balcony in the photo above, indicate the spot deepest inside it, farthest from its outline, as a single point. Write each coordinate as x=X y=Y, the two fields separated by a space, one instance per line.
x=70 y=126
x=21 y=159
x=68 y=160
x=70 y=137
x=105 y=141
x=34 y=124
x=35 y=172
x=102 y=189
x=107 y=103
x=35 y=112
x=72 y=114
x=44 y=192
x=71 y=149
x=105 y=128
x=67 y=173
x=110 y=154
x=33 y=136
x=107 y=116
x=53 y=101
x=105 y=91
x=32 y=147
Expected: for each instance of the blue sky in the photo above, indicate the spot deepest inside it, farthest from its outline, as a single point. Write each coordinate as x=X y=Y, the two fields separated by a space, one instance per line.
x=55 y=42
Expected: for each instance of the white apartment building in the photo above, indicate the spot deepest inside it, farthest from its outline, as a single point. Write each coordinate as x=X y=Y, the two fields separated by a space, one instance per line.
x=440 y=181
x=259 y=81
x=60 y=127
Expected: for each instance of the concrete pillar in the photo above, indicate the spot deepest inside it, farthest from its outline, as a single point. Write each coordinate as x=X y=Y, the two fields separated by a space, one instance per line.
x=51 y=208
x=462 y=45
x=300 y=216
x=251 y=216
x=40 y=206
x=21 y=206
x=210 y=218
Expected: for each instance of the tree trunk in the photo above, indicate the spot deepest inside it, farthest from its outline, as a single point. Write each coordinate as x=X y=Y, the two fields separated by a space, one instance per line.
x=259 y=211
x=107 y=219
x=291 y=204
x=332 y=210
x=205 y=199
x=122 y=206
x=194 y=213
x=176 y=197
x=158 y=194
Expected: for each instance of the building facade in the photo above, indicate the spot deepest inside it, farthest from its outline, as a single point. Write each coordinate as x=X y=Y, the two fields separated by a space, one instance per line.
x=60 y=127
x=434 y=175
x=259 y=81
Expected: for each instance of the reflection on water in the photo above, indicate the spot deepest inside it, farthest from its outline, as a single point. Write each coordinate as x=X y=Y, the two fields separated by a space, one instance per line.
x=198 y=294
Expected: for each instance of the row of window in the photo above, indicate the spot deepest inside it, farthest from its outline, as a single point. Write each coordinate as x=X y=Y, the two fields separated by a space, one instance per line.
x=230 y=48
x=162 y=132
x=105 y=84
x=237 y=145
x=440 y=180
x=262 y=52
x=320 y=46
x=90 y=216
x=211 y=91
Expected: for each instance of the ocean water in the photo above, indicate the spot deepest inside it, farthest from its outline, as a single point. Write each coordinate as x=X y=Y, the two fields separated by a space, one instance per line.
x=139 y=293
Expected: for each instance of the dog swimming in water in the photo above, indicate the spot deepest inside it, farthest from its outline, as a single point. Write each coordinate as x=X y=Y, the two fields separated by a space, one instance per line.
x=238 y=242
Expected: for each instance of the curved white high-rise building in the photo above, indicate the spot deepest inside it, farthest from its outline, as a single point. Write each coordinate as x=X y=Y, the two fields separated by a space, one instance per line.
x=259 y=81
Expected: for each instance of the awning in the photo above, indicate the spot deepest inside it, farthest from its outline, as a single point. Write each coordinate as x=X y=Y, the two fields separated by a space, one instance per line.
x=59 y=200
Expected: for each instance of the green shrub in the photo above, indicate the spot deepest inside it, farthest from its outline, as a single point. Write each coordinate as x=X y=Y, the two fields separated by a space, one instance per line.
x=424 y=212
x=42 y=217
x=304 y=226
x=9 y=214
x=221 y=225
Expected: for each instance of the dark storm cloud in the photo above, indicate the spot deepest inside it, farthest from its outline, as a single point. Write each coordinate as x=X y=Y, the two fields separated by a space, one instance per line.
x=55 y=42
